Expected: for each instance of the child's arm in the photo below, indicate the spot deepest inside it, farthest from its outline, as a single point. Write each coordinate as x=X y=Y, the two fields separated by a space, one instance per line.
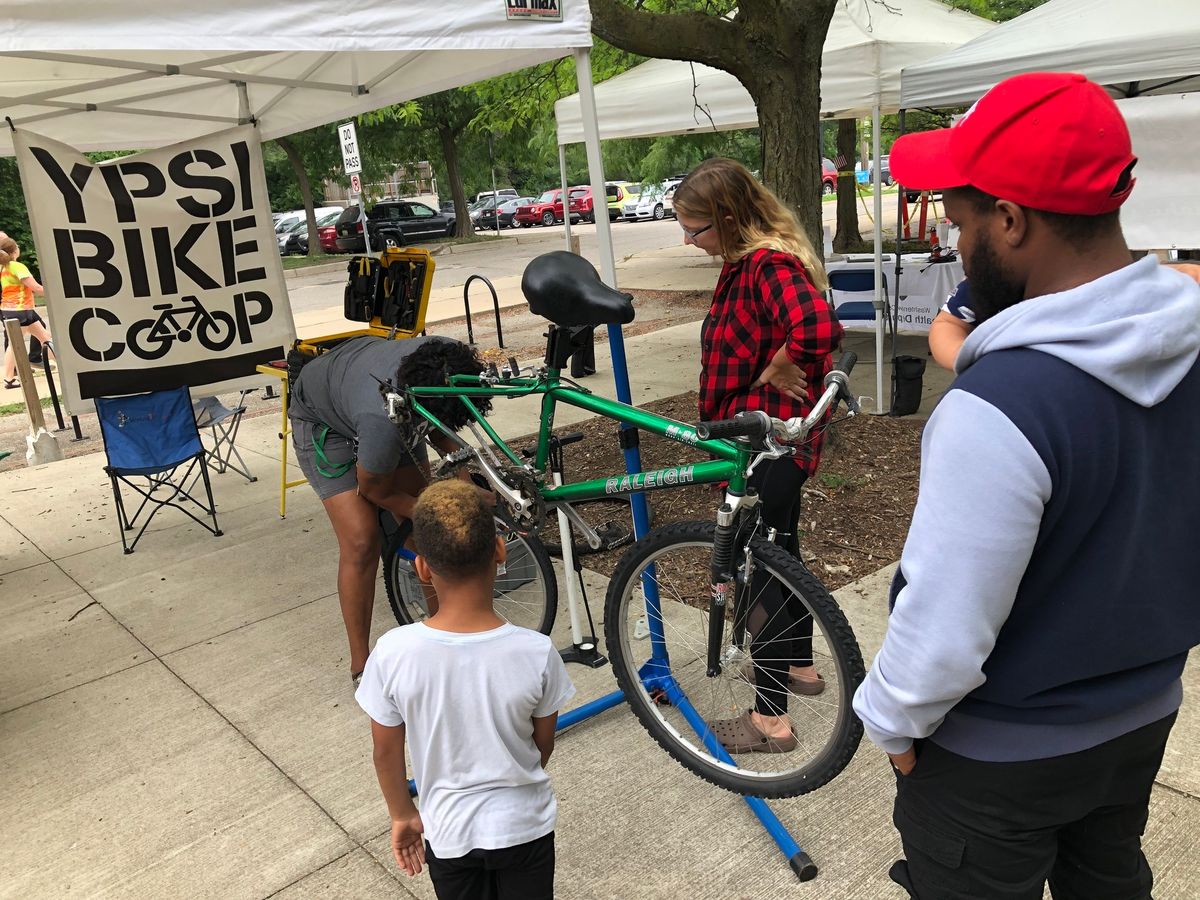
x=408 y=847
x=946 y=336
x=32 y=284
x=543 y=735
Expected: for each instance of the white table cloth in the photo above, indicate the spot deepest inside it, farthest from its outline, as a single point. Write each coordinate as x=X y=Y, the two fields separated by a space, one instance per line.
x=924 y=287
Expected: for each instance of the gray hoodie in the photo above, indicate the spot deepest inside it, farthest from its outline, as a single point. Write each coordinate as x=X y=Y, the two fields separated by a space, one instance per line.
x=1002 y=498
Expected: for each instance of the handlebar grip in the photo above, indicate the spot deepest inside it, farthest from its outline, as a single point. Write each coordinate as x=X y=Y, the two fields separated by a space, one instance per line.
x=754 y=424
x=846 y=361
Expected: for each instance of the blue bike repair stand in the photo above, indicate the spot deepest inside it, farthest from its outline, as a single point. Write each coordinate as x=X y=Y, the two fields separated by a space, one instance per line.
x=657 y=671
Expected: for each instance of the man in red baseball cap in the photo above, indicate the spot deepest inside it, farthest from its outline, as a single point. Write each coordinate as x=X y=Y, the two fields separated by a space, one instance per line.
x=1045 y=602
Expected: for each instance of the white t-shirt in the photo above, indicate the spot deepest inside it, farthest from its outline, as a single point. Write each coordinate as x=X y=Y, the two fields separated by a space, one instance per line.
x=468 y=701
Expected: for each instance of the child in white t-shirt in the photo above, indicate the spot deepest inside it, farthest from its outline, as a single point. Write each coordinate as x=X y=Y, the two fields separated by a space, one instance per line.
x=477 y=700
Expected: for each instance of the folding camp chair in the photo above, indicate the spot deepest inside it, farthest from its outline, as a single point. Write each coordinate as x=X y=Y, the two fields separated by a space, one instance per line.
x=152 y=436
x=223 y=423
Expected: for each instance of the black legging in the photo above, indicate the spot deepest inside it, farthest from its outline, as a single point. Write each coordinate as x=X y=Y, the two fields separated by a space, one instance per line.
x=781 y=627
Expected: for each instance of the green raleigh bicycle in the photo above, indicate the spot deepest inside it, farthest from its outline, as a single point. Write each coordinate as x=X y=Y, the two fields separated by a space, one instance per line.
x=684 y=619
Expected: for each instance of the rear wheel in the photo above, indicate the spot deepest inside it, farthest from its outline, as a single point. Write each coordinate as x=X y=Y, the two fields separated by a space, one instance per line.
x=658 y=649
x=526 y=592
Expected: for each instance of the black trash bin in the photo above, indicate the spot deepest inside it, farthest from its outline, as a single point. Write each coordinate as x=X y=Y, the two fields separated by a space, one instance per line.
x=907 y=374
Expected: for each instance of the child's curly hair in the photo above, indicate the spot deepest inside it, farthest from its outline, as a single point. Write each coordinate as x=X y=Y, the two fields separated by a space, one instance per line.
x=431 y=365
x=453 y=530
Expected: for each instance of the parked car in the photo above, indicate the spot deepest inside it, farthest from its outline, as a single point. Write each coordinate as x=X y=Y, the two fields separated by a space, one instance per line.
x=400 y=222
x=829 y=176
x=296 y=240
x=651 y=203
x=579 y=200
x=506 y=211
x=885 y=171
x=502 y=193
x=478 y=207
x=327 y=234
x=286 y=221
x=545 y=210
x=626 y=191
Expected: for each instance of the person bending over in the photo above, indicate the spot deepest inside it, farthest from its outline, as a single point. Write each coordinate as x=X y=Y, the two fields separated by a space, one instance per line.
x=359 y=462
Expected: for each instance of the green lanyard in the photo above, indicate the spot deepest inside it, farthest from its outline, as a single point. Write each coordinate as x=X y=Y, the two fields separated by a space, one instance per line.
x=335 y=470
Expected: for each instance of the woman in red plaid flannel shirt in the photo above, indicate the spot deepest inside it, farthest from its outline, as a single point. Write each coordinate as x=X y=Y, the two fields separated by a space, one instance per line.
x=766 y=344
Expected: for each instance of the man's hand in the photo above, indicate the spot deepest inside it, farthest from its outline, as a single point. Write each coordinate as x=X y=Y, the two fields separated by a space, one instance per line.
x=408 y=845
x=784 y=375
x=905 y=761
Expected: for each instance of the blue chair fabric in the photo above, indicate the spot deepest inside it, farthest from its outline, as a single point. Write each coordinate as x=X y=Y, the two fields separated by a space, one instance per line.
x=153 y=436
x=855 y=281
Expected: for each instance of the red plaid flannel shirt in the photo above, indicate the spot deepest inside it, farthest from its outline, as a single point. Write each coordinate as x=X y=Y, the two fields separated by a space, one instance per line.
x=762 y=302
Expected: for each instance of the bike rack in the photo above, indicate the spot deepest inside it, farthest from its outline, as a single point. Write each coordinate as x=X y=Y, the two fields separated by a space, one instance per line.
x=495 y=307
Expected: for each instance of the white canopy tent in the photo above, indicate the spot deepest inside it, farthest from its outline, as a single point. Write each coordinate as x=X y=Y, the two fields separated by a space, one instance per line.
x=1146 y=54
x=120 y=78
x=130 y=76
x=1149 y=47
x=867 y=45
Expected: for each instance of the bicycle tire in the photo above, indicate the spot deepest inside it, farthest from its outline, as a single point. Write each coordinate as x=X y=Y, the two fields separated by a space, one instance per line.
x=531 y=601
x=218 y=323
x=841 y=665
x=141 y=350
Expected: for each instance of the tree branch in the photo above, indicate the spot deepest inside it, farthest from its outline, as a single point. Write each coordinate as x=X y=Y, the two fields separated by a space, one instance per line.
x=692 y=36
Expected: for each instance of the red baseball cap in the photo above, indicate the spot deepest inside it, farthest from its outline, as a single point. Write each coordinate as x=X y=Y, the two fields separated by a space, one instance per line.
x=1052 y=141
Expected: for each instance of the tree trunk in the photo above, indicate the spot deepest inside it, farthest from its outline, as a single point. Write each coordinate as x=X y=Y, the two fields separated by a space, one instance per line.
x=774 y=48
x=788 y=98
x=847 y=190
x=306 y=194
x=462 y=218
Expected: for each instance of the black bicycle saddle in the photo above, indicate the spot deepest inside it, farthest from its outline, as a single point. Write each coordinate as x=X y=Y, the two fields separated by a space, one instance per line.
x=566 y=289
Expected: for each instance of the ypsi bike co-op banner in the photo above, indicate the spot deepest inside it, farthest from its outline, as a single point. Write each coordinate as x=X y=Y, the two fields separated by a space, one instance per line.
x=161 y=269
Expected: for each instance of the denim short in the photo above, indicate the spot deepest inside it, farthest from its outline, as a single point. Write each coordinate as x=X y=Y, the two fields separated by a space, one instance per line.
x=338 y=449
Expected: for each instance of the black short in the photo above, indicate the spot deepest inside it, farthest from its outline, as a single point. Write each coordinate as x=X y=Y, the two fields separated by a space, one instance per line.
x=25 y=317
x=525 y=871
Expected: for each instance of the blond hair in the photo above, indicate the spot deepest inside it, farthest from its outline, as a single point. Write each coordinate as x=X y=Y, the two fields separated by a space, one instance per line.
x=745 y=215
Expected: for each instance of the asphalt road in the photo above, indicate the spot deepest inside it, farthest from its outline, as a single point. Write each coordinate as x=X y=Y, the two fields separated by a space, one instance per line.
x=509 y=253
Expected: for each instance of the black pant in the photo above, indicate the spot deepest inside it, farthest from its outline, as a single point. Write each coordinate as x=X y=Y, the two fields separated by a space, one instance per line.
x=990 y=830
x=781 y=626
x=523 y=872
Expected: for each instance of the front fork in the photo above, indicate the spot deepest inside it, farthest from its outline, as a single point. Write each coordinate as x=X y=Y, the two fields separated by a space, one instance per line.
x=725 y=586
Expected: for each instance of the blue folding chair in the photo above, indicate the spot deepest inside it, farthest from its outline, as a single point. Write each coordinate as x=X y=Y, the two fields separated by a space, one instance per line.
x=855 y=281
x=152 y=436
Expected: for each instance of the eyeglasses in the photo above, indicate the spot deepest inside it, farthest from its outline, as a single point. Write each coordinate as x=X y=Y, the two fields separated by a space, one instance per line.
x=699 y=231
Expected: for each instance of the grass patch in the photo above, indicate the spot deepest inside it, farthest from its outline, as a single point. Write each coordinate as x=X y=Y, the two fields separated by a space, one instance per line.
x=11 y=409
x=303 y=262
x=832 y=480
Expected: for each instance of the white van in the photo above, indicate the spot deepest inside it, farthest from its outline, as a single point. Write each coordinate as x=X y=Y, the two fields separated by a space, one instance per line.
x=503 y=193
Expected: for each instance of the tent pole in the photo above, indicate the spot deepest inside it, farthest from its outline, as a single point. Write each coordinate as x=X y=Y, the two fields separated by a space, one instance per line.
x=562 y=171
x=878 y=302
x=899 y=234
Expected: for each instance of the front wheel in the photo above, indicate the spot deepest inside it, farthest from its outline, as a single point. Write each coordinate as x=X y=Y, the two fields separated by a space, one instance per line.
x=657 y=626
x=658 y=212
x=547 y=218
x=526 y=592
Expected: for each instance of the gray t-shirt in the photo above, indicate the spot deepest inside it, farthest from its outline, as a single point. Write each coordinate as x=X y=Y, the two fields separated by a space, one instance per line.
x=337 y=389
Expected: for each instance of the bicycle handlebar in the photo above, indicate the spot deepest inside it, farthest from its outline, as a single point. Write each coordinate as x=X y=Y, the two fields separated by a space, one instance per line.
x=756 y=424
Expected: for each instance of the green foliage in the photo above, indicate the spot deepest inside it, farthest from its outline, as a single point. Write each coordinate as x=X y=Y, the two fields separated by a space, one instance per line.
x=14 y=220
x=996 y=10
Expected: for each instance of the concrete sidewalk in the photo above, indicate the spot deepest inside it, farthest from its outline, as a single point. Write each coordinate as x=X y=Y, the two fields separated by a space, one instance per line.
x=178 y=722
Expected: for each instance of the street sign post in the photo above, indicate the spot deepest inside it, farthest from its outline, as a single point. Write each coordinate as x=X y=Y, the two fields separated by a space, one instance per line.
x=352 y=165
